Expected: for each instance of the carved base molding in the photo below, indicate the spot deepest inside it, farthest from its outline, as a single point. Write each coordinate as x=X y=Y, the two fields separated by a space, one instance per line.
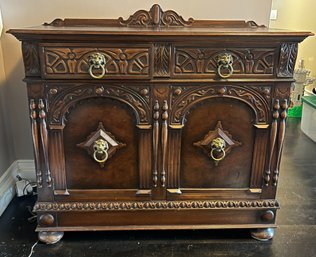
x=153 y=205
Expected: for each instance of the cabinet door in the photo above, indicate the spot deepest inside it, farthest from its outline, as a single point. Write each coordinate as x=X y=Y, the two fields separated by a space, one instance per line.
x=100 y=141
x=217 y=142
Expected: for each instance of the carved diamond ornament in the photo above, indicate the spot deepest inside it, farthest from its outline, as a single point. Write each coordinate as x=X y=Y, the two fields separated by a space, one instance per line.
x=101 y=145
x=217 y=143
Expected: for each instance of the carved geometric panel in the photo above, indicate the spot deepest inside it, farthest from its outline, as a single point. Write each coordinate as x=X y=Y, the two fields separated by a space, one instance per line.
x=218 y=132
x=100 y=133
x=204 y=60
x=74 y=61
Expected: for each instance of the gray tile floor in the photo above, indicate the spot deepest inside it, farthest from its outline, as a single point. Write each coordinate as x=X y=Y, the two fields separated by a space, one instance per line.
x=295 y=237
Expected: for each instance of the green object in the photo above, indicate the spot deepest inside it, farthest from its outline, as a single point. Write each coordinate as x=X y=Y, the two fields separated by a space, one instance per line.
x=295 y=112
x=311 y=100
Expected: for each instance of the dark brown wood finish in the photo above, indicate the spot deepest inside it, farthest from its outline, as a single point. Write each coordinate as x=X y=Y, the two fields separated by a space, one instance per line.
x=157 y=122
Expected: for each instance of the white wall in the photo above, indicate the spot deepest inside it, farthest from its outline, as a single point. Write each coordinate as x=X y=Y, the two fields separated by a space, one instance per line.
x=6 y=153
x=299 y=15
x=17 y=13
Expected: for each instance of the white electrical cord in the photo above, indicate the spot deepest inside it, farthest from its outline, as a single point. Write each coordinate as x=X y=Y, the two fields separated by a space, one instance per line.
x=32 y=249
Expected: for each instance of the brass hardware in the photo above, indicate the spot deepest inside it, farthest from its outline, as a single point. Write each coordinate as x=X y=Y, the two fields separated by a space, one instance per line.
x=218 y=145
x=144 y=91
x=99 y=90
x=225 y=62
x=53 y=91
x=177 y=91
x=100 y=149
x=97 y=61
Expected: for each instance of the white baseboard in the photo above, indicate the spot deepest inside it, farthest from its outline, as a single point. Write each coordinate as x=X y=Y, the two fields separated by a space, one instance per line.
x=24 y=168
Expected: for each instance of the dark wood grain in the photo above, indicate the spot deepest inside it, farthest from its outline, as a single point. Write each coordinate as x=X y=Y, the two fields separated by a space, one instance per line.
x=163 y=101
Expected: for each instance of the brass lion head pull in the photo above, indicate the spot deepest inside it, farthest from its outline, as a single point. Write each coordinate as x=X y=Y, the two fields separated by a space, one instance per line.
x=96 y=62
x=218 y=148
x=100 y=154
x=225 y=65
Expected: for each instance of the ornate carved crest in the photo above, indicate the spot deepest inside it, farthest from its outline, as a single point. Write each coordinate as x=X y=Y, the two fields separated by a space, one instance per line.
x=155 y=17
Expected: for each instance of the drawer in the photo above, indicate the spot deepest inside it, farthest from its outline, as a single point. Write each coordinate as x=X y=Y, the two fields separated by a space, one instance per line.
x=208 y=62
x=74 y=62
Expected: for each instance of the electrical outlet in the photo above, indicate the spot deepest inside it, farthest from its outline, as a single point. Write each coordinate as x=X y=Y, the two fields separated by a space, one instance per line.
x=273 y=14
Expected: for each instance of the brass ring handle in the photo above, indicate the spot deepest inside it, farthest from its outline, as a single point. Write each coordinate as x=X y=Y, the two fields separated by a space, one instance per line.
x=96 y=76
x=97 y=61
x=225 y=62
x=228 y=67
x=218 y=144
x=218 y=159
x=100 y=146
x=106 y=156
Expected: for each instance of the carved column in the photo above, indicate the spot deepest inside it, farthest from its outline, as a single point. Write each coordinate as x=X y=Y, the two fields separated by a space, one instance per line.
x=155 y=142
x=273 y=136
x=44 y=140
x=259 y=155
x=57 y=160
x=164 y=141
x=283 y=115
x=145 y=156
x=35 y=139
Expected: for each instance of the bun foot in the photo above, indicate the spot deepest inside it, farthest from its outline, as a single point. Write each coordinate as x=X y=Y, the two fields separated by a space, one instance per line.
x=50 y=237
x=263 y=234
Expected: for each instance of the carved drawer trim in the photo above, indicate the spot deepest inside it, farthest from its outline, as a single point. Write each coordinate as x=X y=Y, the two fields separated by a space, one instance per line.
x=70 y=61
x=202 y=61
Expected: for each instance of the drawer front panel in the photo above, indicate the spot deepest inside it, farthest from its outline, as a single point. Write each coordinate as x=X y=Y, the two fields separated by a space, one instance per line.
x=73 y=62
x=203 y=61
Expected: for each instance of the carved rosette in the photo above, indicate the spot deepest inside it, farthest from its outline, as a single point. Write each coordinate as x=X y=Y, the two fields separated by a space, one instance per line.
x=218 y=132
x=288 y=54
x=67 y=97
x=153 y=205
x=182 y=103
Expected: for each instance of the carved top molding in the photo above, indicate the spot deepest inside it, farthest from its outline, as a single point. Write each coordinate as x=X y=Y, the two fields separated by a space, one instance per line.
x=155 y=17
